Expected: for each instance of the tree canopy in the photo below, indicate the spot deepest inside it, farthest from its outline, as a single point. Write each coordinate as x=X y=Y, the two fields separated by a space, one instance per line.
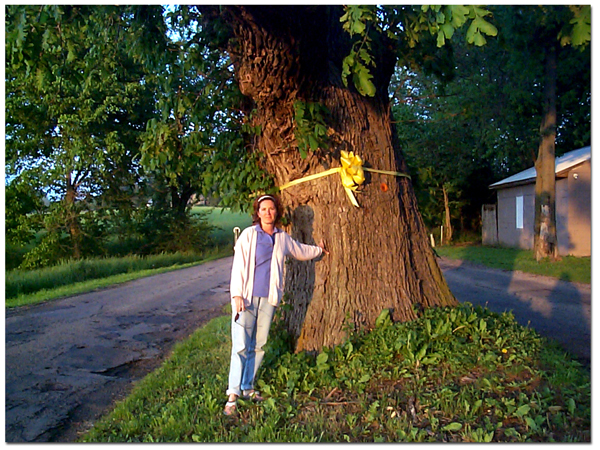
x=483 y=125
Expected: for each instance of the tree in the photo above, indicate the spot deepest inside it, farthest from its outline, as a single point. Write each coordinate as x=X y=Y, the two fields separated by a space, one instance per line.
x=545 y=237
x=560 y=33
x=75 y=103
x=81 y=98
x=437 y=124
x=198 y=127
x=486 y=119
x=289 y=59
x=176 y=144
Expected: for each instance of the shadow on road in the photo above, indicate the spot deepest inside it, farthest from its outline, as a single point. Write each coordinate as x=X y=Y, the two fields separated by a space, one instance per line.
x=556 y=309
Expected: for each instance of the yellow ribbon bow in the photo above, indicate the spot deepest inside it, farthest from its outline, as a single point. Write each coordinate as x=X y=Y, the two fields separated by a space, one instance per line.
x=352 y=174
x=352 y=171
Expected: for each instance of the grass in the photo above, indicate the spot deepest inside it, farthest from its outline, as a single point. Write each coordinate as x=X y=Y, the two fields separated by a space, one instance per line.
x=76 y=277
x=569 y=268
x=459 y=374
x=224 y=220
x=23 y=282
x=55 y=282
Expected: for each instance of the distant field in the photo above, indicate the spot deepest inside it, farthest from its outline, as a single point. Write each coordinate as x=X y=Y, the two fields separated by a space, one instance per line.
x=225 y=221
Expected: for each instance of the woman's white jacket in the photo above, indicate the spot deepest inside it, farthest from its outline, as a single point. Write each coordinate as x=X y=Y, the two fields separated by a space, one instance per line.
x=242 y=272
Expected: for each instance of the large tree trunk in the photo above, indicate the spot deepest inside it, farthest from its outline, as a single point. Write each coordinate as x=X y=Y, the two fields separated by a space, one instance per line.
x=380 y=257
x=545 y=239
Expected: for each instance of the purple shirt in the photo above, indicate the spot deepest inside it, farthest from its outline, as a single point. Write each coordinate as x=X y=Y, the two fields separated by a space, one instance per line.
x=262 y=268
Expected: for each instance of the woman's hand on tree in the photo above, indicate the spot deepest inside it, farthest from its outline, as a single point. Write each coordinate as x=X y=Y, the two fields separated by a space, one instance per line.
x=322 y=245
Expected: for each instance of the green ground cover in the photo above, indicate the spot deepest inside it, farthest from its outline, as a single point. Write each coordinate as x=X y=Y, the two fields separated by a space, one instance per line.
x=454 y=375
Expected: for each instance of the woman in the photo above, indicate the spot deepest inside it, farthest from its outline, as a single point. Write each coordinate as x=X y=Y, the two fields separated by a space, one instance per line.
x=256 y=290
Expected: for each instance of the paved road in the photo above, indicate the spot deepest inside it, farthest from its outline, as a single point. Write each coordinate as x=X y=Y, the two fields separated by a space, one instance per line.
x=67 y=361
x=557 y=309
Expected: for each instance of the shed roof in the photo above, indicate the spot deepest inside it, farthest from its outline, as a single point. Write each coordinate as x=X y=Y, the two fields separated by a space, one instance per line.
x=565 y=162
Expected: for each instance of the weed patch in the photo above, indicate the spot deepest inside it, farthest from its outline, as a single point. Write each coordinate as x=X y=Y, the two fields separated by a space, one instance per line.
x=460 y=374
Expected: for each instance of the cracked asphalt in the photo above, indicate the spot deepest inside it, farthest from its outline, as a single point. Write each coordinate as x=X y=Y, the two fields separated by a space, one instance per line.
x=69 y=360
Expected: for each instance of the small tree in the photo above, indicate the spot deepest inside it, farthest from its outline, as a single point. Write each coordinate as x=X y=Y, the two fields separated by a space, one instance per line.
x=558 y=32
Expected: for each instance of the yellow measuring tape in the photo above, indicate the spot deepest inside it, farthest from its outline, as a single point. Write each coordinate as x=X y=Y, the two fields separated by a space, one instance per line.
x=351 y=173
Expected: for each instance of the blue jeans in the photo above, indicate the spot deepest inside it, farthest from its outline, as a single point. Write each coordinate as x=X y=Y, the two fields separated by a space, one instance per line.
x=248 y=336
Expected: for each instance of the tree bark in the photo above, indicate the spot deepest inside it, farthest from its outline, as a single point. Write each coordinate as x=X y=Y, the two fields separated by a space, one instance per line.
x=545 y=238
x=447 y=217
x=180 y=197
x=72 y=217
x=380 y=256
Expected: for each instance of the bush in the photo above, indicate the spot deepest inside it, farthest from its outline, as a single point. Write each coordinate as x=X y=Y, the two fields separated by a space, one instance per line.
x=164 y=230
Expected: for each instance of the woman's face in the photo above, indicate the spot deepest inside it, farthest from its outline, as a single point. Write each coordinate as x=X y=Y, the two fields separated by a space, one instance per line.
x=267 y=212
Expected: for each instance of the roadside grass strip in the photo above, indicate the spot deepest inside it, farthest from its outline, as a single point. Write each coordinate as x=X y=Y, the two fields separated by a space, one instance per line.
x=57 y=282
x=461 y=374
x=568 y=268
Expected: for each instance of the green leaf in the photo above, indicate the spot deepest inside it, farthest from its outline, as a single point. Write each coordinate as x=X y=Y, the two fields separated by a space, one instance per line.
x=454 y=426
x=479 y=40
x=441 y=40
x=365 y=56
x=440 y=17
x=582 y=31
x=477 y=11
x=366 y=377
x=433 y=359
x=448 y=30
x=71 y=54
x=383 y=319
x=422 y=352
x=486 y=27
x=358 y=27
x=523 y=410
x=459 y=14
x=350 y=350
x=362 y=81
x=302 y=150
x=322 y=358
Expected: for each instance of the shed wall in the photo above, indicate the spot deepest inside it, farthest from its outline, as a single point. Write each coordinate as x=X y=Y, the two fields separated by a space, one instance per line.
x=573 y=213
x=579 y=212
x=508 y=233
